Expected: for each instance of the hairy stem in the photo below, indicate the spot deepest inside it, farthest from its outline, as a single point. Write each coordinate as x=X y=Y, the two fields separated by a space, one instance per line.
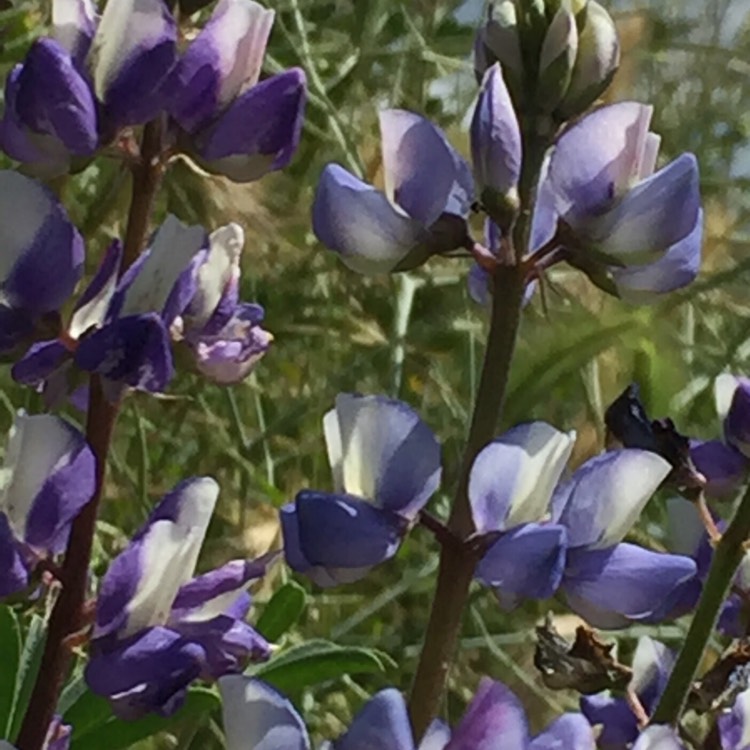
x=727 y=557
x=68 y=616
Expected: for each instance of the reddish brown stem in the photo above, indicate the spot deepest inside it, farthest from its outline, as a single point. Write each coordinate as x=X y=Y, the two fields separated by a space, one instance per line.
x=69 y=615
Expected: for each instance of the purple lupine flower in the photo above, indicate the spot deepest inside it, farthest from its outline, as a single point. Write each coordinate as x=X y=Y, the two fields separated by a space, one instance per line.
x=92 y=77
x=652 y=665
x=43 y=256
x=607 y=581
x=230 y=122
x=133 y=53
x=510 y=488
x=223 y=334
x=50 y=113
x=157 y=627
x=46 y=479
x=386 y=465
x=428 y=194
x=122 y=328
x=256 y=716
x=636 y=231
x=734 y=725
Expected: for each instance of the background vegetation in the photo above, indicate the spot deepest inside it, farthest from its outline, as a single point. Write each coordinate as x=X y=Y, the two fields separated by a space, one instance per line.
x=419 y=336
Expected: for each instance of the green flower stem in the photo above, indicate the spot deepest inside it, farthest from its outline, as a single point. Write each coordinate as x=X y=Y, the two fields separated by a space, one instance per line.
x=457 y=563
x=68 y=620
x=727 y=557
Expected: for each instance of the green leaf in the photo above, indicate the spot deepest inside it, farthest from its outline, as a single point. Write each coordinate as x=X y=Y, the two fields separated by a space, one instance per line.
x=28 y=668
x=10 y=654
x=320 y=661
x=282 y=611
x=115 y=734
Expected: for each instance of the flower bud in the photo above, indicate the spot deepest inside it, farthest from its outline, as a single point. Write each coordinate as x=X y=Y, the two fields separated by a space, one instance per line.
x=498 y=41
x=557 y=60
x=597 y=61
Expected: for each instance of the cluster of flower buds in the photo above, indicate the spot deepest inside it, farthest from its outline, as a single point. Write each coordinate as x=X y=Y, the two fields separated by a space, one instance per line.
x=80 y=89
x=558 y=56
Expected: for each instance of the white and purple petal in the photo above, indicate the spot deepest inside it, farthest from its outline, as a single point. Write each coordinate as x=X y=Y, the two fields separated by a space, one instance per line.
x=359 y=223
x=40 y=362
x=424 y=175
x=93 y=305
x=496 y=136
x=567 y=732
x=230 y=354
x=257 y=717
x=494 y=713
x=512 y=479
x=132 y=56
x=651 y=217
x=605 y=496
x=627 y=581
x=613 y=718
x=46 y=479
x=613 y=140
x=222 y=62
x=143 y=581
x=147 y=673
x=527 y=561
x=259 y=132
x=43 y=253
x=74 y=25
x=382 y=722
x=166 y=278
x=380 y=449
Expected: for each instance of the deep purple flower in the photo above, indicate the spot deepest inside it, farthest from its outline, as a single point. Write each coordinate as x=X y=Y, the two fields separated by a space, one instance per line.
x=50 y=113
x=510 y=488
x=652 y=665
x=94 y=76
x=133 y=53
x=636 y=231
x=223 y=334
x=46 y=479
x=386 y=465
x=256 y=716
x=607 y=581
x=122 y=327
x=428 y=194
x=232 y=123
x=158 y=627
x=42 y=258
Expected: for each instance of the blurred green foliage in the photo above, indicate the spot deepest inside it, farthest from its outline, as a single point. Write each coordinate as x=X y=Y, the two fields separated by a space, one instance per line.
x=419 y=337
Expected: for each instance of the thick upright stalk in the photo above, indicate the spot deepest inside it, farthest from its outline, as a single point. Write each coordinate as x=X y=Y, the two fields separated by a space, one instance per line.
x=457 y=564
x=727 y=557
x=67 y=618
